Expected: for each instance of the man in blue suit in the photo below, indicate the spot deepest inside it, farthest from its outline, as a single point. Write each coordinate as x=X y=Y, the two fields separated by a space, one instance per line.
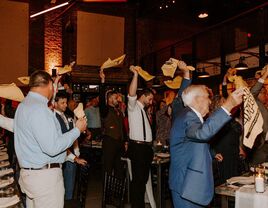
x=191 y=177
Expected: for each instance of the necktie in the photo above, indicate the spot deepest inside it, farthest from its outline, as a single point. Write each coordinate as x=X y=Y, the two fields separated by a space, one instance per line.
x=65 y=120
x=143 y=125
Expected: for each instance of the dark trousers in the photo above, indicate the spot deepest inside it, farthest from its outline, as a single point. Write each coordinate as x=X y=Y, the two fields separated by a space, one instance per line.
x=112 y=153
x=95 y=133
x=141 y=156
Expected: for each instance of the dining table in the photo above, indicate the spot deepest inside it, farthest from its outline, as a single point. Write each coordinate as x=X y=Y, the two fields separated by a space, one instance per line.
x=161 y=163
x=242 y=192
x=9 y=191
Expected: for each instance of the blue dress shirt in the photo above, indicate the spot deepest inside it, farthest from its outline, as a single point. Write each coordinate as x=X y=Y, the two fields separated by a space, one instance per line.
x=38 y=137
x=93 y=117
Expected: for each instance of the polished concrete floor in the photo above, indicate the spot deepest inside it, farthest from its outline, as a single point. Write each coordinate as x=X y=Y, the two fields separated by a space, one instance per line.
x=94 y=192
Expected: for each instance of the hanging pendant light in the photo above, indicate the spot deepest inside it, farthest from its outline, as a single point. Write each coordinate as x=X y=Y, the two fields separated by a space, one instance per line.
x=241 y=65
x=202 y=73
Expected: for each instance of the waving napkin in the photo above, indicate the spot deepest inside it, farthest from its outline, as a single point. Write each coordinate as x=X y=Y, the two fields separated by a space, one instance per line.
x=170 y=67
x=11 y=92
x=182 y=65
x=79 y=112
x=144 y=74
x=253 y=120
x=238 y=81
x=66 y=68
x=175 y=83
x=24 y=80
x=112 y=63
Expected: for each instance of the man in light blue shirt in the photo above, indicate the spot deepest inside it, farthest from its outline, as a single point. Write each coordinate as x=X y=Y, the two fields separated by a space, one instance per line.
x=93 y=117
x=40 y=146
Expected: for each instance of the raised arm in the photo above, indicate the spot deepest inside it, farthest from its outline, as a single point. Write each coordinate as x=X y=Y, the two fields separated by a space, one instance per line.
x=199 y=132
x=224 y=86
x=102 y=97
x=255 y=90
x=134 y=82
x=186 y=77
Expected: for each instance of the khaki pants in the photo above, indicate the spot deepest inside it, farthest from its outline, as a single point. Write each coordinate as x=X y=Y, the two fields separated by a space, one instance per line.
x=43 y=188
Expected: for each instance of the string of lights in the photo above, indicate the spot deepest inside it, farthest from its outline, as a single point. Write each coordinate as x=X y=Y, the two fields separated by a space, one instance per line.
x=165 y=4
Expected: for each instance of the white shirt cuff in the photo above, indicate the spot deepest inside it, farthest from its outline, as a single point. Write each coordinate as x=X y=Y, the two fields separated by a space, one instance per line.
x=70 y=157
x=77 y=152
x=132 y=97
x=226 y=111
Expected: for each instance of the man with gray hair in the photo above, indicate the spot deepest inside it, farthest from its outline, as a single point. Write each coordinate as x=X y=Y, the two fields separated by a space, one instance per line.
x=190 y=176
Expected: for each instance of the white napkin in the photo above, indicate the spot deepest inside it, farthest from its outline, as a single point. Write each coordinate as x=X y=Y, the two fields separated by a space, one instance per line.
x=3 y=152
x=4 y=157
x=5 y=172
x=8 y=201
x=4 y=164
x=246 y=197
x=4 y=183
x=79 y=112
x=149 y=190
x=241 y=179
x=3 y=149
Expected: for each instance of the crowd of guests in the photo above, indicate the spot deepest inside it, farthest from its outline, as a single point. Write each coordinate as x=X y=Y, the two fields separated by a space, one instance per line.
x=196 y=125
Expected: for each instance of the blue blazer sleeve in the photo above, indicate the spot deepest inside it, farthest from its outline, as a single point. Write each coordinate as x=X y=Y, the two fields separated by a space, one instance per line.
x=177 y=104
x=185 y=83
x=198 y=132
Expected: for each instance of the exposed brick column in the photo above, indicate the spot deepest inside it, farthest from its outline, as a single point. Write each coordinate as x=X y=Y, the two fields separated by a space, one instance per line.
x=52 y=41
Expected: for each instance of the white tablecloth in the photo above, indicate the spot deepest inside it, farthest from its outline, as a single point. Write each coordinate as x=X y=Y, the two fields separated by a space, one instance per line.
x=149 y=197
x=9 y=201
x=246 y=197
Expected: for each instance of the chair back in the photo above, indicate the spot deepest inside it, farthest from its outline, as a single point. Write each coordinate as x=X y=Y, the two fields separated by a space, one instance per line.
x=113 y=191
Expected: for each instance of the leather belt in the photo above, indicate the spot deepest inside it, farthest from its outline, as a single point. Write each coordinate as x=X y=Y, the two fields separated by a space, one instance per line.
x=140 y=142
x=48 y=166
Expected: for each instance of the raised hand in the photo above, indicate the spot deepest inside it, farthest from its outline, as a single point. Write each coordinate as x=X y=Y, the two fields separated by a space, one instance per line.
x=182 y=65
x=234 y=99
x=102 y=76
x=81 y=124
x=264 y=72
x=134 y=69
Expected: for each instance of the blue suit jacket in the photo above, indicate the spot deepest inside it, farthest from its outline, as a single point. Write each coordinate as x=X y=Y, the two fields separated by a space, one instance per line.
x=177 y=103
x=190 y=172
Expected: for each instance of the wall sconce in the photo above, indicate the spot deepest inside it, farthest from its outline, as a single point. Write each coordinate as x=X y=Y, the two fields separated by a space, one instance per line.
x=241 y=65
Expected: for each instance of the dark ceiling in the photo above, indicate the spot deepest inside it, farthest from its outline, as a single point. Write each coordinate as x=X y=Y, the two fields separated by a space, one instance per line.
x=179 y=10
x=186 y=10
